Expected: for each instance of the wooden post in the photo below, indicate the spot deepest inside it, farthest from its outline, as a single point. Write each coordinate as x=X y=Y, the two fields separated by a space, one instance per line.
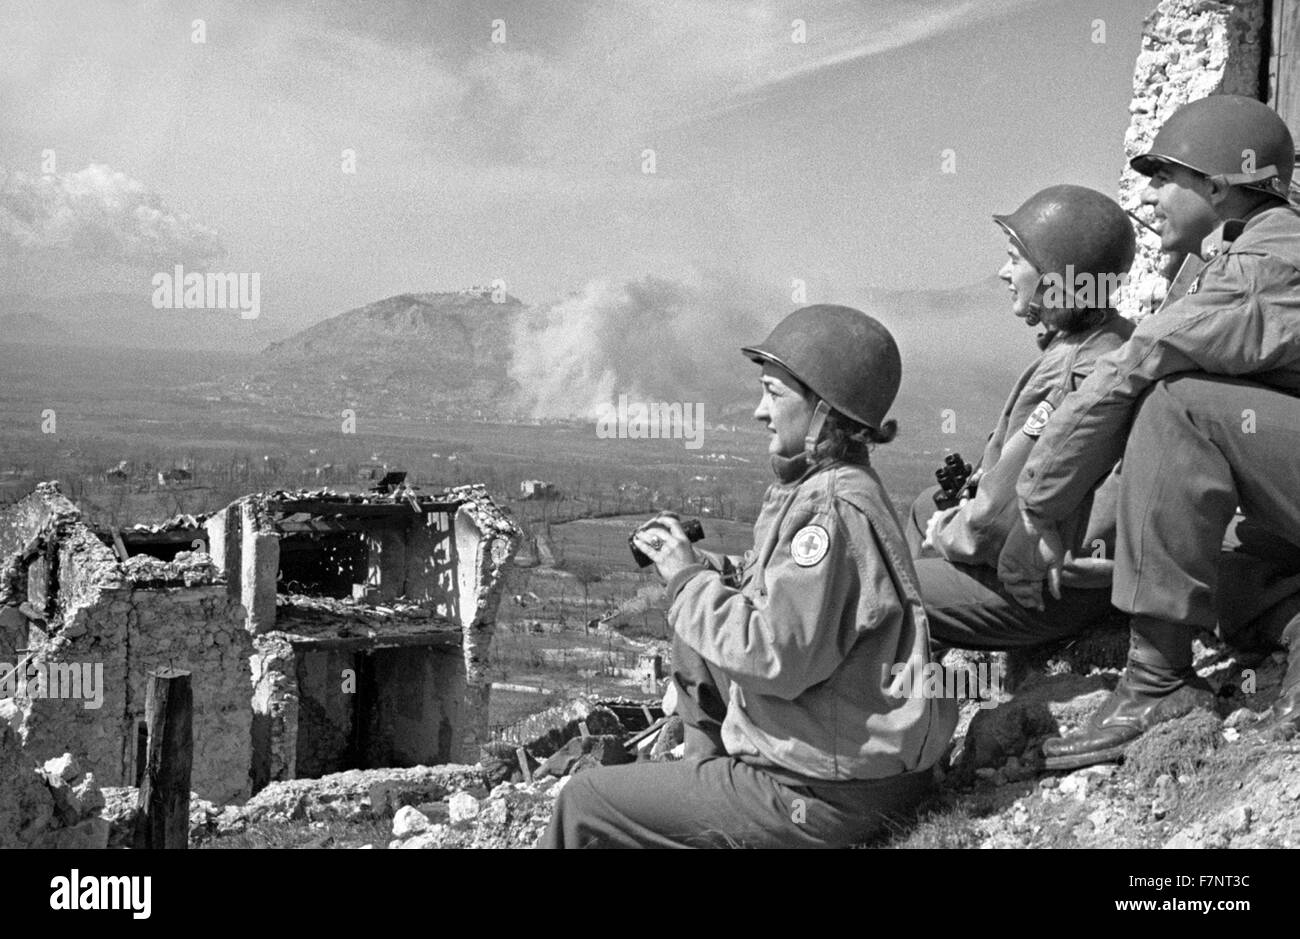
x=164 y=808
x=1284 y=62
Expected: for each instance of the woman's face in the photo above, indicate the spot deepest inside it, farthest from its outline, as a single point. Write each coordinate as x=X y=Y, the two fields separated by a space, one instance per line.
x=786 y=409
x=1022 y=278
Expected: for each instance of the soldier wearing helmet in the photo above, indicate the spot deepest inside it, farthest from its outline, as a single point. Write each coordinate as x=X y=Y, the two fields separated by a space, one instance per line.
x=980 y=571
x=1203 y=403
x=792 y=664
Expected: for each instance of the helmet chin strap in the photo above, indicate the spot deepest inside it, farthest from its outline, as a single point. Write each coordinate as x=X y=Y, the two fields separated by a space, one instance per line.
x=820 y=413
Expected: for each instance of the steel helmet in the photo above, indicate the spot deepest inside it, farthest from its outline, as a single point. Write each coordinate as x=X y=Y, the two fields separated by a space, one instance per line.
x=1240 y=140
x=847 y=358
x=1072 y=225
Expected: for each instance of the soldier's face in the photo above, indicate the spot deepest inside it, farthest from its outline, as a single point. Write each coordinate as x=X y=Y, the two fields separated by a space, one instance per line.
x=1181 y=208
x=1022 y=280
x=785 y=409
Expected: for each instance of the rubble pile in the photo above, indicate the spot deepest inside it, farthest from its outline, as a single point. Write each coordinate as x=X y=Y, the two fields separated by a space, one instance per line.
x=513 y=815
x=52 y=806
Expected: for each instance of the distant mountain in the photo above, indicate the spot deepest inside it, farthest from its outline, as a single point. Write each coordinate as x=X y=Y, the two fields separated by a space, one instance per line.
x=129 y=320
x=432 y=353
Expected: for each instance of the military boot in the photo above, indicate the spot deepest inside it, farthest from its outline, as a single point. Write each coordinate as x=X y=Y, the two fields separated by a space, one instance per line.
x=1158 y=684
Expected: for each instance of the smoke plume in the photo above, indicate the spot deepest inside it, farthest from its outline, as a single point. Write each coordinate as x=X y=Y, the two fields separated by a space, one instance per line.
x=653 y=340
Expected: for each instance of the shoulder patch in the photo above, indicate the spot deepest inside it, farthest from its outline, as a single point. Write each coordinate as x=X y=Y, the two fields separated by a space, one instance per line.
x=1038 y=420
x=809 y=545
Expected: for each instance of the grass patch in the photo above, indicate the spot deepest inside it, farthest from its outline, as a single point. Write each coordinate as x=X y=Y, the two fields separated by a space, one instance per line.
x=1174 y=748
x=942 y=826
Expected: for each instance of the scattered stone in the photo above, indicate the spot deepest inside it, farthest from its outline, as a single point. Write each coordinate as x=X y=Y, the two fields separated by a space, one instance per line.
x=1236 y=820
x=62 y=767
x=515 y=815
x=88 y=794
x=230 y=821
x=1189 y=837
x=1242 y=717
x=462 y=808
x=408 y=821
x=1075 y=785
x=360 y=793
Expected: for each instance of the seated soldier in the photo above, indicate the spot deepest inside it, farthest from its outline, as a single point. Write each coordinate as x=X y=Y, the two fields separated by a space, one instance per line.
x=787 y=662
x=980 y=572
x=1203 y=402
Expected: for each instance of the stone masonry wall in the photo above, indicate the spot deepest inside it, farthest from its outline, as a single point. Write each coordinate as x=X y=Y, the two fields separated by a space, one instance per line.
x=130 y=631
x=1190 y=49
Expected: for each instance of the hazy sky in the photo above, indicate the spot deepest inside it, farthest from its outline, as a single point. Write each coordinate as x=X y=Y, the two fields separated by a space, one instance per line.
x=523 y=161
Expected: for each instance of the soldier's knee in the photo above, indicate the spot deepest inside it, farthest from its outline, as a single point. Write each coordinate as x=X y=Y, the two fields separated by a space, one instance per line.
x=576 y=796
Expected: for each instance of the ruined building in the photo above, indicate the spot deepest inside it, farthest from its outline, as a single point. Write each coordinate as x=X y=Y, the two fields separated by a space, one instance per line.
x=323 y=632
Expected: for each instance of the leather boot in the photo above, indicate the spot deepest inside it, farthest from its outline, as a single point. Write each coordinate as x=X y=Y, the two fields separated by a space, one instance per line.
x=1158 y=684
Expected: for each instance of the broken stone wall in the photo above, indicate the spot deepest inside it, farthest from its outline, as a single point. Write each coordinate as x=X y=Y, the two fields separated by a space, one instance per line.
x=130 y=631
x=485 y=541
x=101 y=626
x=275 y=706
x=1190 y=49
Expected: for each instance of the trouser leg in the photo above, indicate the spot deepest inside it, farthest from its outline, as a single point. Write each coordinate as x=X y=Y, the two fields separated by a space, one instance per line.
x=1199 y=446
x=723 y=802
x=702 y=694
x=968 y=608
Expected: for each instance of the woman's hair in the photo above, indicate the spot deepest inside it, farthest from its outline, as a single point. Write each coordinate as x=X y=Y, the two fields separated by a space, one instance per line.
x=843 y=438
x=1076 y=319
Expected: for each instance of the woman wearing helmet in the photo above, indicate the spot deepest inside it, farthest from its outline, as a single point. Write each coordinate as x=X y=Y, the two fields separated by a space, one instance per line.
x=980 y=570
x=791 y=664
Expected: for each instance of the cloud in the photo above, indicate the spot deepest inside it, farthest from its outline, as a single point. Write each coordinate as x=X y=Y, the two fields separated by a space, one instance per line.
x=100 y=214
x=848 y=33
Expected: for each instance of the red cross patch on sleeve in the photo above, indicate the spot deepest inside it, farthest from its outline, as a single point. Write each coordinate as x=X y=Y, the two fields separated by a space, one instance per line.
x=809 y=545
x=1038 y=420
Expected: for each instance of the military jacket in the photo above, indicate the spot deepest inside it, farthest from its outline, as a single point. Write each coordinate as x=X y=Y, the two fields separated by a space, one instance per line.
x=822 y=634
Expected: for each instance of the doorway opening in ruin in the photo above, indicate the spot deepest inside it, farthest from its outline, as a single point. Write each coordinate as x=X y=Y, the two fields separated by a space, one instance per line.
x=363 y=708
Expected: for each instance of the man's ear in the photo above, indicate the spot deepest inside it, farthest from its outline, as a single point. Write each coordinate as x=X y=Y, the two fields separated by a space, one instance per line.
x=1217 y=190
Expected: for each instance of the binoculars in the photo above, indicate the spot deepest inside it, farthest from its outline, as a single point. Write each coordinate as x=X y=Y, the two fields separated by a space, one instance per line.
x=694 y=532
x=952 y=477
